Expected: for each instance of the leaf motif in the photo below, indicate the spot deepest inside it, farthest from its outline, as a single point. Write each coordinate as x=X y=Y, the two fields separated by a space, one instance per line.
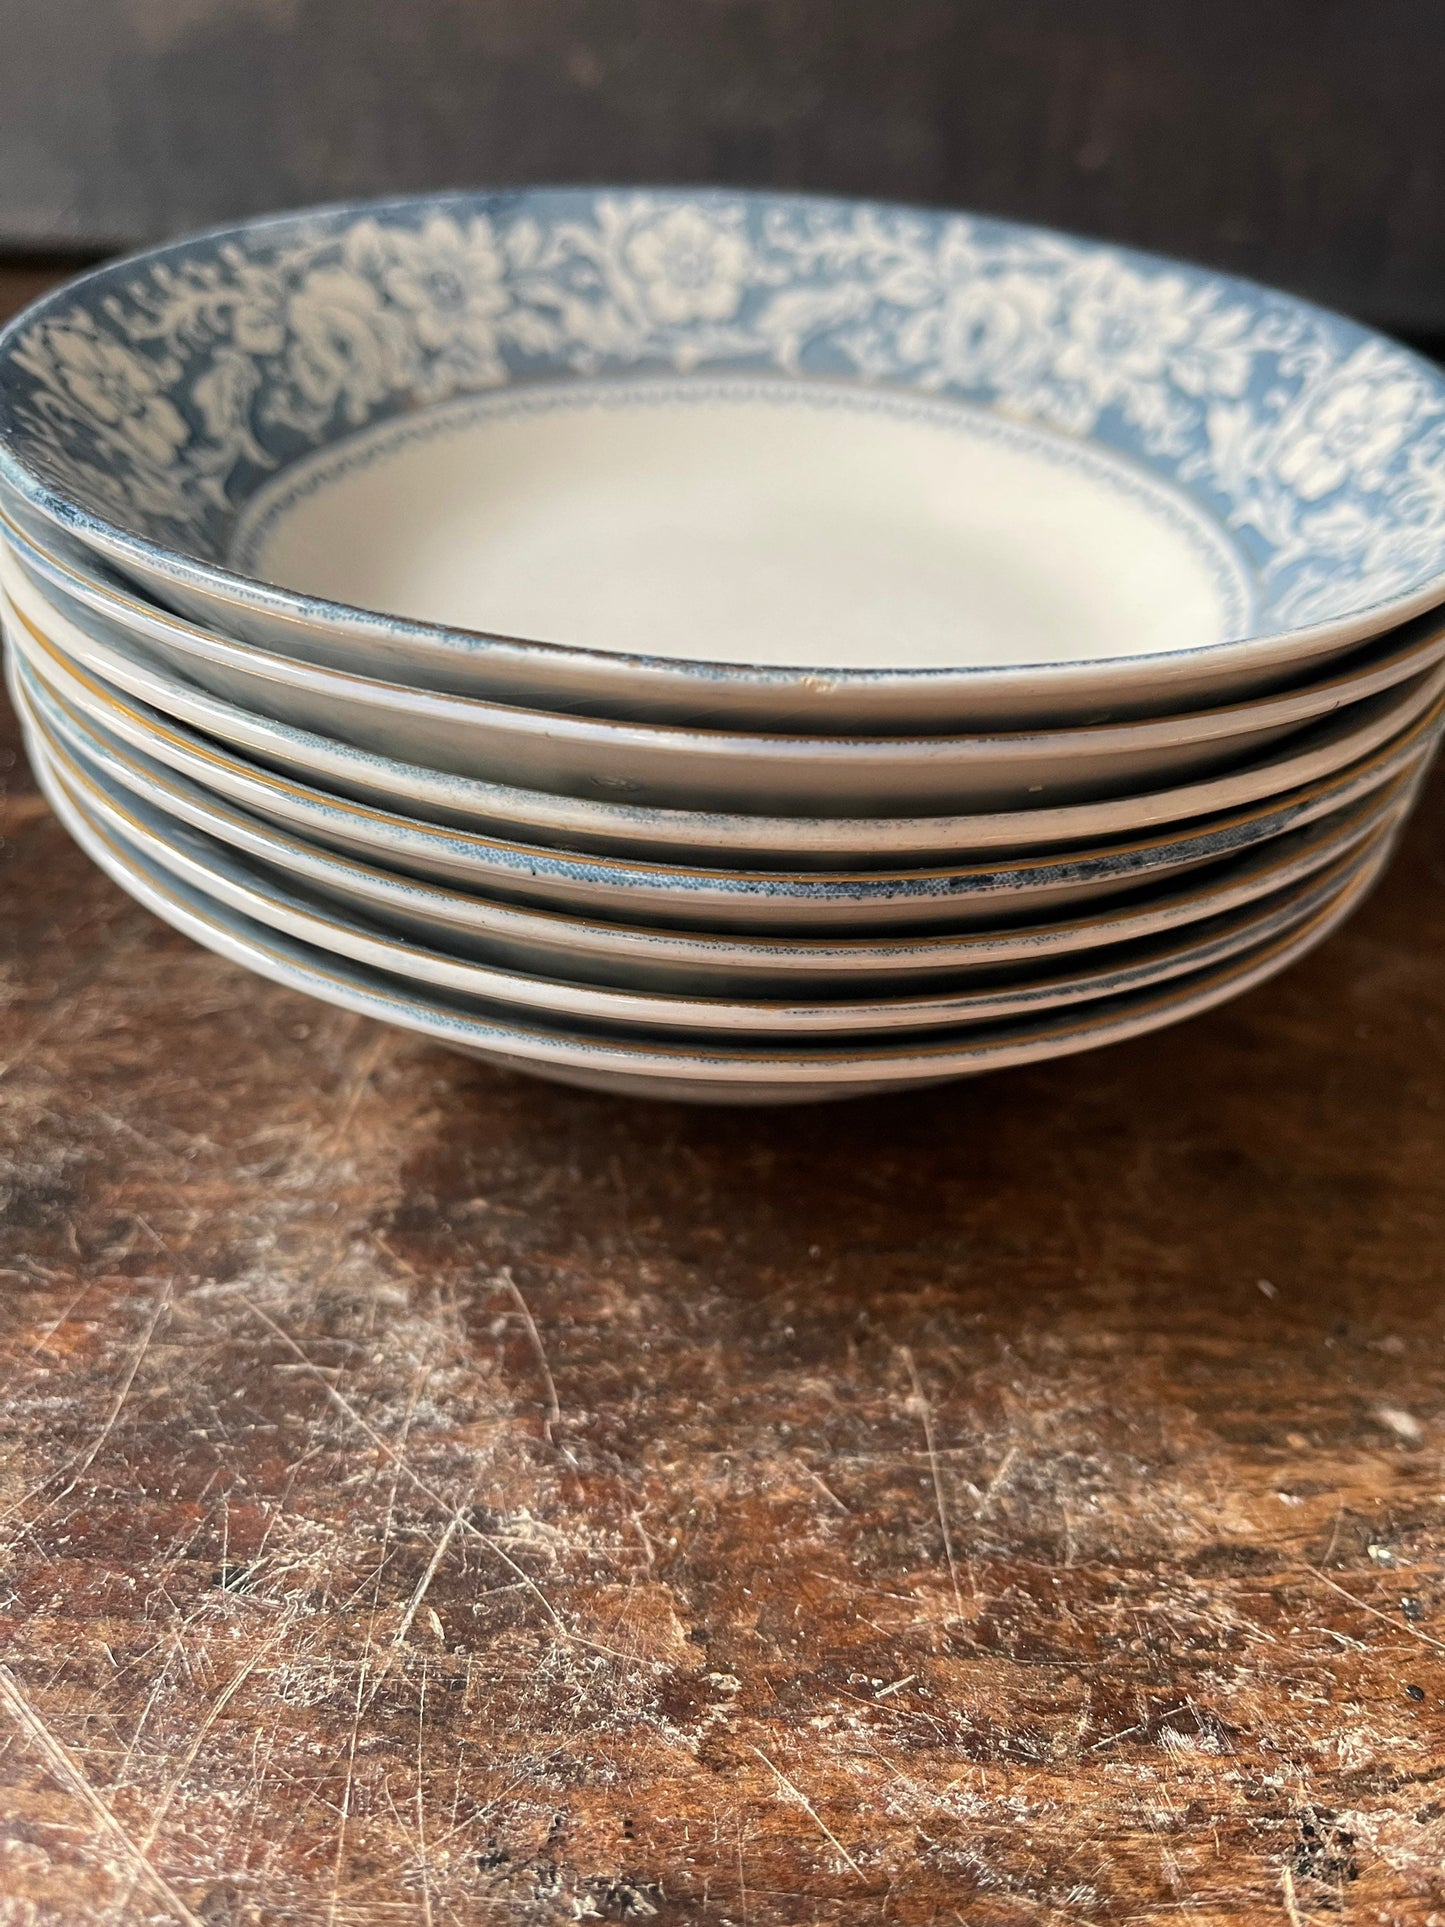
x=790 y=320
x=908 y=285
x=524 y=243
x=223 y=393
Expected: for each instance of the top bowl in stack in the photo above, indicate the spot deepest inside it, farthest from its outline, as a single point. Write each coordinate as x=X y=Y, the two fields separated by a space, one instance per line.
x=741 y=562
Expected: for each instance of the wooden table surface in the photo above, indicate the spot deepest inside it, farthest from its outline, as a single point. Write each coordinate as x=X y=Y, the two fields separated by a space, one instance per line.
x=433 y=1496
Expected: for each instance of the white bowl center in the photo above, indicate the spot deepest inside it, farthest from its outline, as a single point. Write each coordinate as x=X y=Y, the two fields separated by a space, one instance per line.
x=767 y=522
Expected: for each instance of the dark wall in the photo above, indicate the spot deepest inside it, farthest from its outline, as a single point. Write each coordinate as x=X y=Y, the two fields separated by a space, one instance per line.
x=1298 y=140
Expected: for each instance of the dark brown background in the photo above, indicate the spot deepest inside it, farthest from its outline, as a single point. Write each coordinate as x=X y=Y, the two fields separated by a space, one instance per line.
x=1299 y=140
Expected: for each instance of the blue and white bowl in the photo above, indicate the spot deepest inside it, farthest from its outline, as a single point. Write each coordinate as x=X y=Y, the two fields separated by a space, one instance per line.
x=263 y=893
x=305 y=832
x=716 y=1067
x=733 y=458
x=667 y=765
x=444 y=888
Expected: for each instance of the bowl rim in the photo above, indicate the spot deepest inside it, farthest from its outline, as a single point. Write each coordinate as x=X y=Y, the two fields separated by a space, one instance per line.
x=1064 y=983
x=283 y=605
x=1023 y=1041
x=1413 y=648
x=1059 y=826
x=1248 y=875
x=1150 y=855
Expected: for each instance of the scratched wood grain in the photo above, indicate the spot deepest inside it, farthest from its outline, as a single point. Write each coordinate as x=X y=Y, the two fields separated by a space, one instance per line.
x=434 y=1497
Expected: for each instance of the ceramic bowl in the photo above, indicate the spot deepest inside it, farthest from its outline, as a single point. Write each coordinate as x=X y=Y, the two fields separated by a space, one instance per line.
x=599 y=951
x=1319 y=749
x=763 y=841
x=1179 y=742
x=958 y=896
x=710 y=1070
x=709 y=768
x=258 y=894
x=751 y=458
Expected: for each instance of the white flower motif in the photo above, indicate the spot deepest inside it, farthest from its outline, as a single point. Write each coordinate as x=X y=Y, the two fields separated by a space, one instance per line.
x=691 y=266
x=1122 y=328
x=991 y=329
x=1132 y=335
x=120 y=389
x=1348 y=429
x=223 y=393
x=1218 y=357
x=452 y=284
x=343 y=345
x=259 y=327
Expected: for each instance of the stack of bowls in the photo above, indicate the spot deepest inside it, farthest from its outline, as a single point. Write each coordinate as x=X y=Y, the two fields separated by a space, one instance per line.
x=955 y=644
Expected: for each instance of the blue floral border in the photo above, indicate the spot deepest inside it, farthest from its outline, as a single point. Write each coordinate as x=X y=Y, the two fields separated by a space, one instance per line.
x=159 y=394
